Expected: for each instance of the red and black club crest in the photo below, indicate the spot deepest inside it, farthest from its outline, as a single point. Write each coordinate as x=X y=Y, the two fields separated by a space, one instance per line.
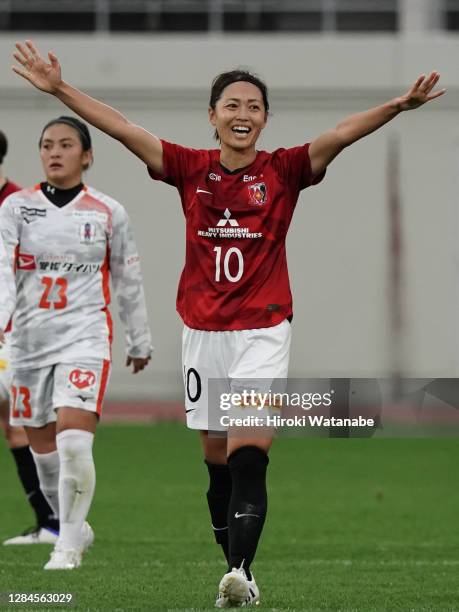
x=258 y=193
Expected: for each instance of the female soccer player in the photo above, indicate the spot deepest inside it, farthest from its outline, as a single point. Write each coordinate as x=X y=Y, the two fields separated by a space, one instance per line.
x=234 y=294
x=64 y=240
x=47 y=526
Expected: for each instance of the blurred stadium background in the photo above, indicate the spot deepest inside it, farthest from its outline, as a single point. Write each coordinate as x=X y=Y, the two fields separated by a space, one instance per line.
x=322 y=59
x=369 y=524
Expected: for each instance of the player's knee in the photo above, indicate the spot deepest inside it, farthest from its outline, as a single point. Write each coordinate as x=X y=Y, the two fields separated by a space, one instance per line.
x=74 y=444
x=248 y=464
x=42 y=440
x=4 y=408
x=219 y=477
x=16 y=437
x=215 y=450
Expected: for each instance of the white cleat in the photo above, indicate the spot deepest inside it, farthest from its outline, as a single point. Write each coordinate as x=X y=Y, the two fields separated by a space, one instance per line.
x=88 y=536
x=254 y=593
x=37 y=535
x=233 y=590
x=68 y=559
x=64 y=559
x=226 y=600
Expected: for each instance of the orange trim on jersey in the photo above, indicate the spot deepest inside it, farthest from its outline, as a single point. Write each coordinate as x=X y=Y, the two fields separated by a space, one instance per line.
x=108 y=316
x=103 y=386
x=106 y=276
x=105 y=270
x=37 y=187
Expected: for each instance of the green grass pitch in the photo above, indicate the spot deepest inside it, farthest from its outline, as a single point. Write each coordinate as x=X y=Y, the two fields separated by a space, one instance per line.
x=353 y=525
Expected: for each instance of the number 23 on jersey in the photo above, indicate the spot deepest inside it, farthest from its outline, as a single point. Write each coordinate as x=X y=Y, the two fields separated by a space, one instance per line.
x=54 y=294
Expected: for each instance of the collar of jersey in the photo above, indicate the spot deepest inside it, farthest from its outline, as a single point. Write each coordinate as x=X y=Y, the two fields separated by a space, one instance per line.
x=230 y=172
x=45 y=199
x=226 y=171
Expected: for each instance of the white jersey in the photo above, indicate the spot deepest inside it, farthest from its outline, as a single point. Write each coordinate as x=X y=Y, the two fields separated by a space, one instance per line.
x=55 y=264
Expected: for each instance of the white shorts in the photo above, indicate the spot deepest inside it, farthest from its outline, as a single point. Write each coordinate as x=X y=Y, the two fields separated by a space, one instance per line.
x=5 y=372
x=216 y=362
x=36 y=394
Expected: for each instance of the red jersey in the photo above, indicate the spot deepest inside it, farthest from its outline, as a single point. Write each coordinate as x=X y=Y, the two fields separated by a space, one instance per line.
x=235 y=275
x=7 y=189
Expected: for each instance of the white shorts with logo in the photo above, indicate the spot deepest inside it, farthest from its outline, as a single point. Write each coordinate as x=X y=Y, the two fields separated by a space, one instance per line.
x=216 y=362
x=37 y=393
x=5 y=372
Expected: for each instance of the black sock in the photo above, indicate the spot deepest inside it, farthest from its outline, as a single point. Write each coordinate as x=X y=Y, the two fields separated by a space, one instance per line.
x=248 y=505
x=218 y=497
x=28 y=474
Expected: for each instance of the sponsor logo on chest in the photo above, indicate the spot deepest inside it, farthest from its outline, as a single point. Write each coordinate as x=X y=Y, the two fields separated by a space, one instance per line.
x=215 y=177
x=31 y=214
x=90 y=215
x=228 y=227
x=49 y=262
x=25 y=261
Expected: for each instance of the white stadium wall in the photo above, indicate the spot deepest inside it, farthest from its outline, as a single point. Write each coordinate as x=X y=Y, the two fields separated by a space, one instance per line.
x=338 y=242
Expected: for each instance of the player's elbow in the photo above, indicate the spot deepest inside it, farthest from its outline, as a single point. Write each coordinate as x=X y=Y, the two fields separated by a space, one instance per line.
x=124 y=131
x=323 y=151
x=342 y=137
x=145 y=146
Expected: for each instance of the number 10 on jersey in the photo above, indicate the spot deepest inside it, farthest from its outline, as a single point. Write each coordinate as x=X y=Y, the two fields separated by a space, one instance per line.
x=233 y=251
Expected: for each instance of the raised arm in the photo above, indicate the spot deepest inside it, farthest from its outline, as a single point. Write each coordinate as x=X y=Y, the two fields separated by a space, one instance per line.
x=327 y=146
x=47 y=77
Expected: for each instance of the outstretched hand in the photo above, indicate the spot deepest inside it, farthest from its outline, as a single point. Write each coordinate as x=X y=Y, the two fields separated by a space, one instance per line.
x=45 y=76
x=419 y=94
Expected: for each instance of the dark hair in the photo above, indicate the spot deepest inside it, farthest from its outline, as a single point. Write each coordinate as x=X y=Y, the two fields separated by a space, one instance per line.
x=3 y=146
x=80 y=127
x=224 y=79
x=76 y=124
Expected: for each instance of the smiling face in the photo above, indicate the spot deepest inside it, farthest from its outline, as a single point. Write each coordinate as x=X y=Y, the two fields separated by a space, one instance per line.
x=62 y=156
x=239 y=116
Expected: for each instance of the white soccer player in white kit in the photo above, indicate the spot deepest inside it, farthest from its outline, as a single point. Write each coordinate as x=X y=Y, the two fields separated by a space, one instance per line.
x=61 y=241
